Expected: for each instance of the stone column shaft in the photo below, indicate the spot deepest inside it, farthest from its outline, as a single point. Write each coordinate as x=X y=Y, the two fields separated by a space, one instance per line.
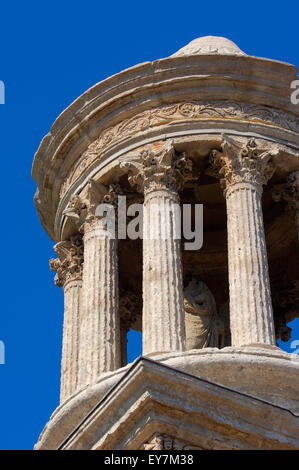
x=70 y=345
x=251 y=318
x=245 y=168
x=163 y=302
x=160 y=174
x=100 y=337
x=68 y=267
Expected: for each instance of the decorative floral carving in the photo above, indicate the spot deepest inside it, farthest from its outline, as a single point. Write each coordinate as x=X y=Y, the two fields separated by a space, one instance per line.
x=191 y=110
x=165 y=442
x=239 y=162
x=97 y=194
x=83 y=211
x=159 y=168
x=69 y=264
x=76 y=210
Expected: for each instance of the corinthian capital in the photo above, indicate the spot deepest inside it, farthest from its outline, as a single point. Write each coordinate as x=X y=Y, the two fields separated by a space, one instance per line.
x=69 y=263
x=98 y=193
x=83 y=210
x=77 y=210
x=159 y=168
x=242 y=162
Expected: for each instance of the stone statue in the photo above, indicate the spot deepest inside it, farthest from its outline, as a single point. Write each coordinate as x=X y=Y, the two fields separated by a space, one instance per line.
x=201 y=320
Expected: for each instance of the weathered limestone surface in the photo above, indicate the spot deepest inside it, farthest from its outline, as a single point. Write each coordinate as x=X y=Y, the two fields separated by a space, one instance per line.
x=162 y=278
x=68 y=266
x=160 y=93
x=160 y=174
x=71 y=334
x=244 y=168
x=196 y=412
x=200 y=316
x=165 y=442
x=261 y=372
x=100 y=329
x=209 y=45
x=145 y=131
x=99 y=340
x=250 y=297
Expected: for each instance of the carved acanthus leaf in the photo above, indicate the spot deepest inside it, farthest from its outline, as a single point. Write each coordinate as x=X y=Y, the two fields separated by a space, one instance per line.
x=76 y=211
x=83 y=210
x=194 y=110
x=69 y=264
x=239 y=162
x=159 y=168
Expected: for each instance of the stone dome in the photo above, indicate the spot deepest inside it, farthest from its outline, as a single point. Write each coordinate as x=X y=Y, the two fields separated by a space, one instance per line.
x=207 y=45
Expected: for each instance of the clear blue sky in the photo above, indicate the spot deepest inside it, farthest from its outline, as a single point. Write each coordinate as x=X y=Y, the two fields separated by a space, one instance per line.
x=51 y=52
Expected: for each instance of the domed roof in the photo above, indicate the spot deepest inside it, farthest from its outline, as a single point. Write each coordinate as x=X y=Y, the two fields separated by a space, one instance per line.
x=207 y=45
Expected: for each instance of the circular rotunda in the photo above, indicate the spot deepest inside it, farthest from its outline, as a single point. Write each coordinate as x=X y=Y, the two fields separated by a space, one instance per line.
x=210 y=137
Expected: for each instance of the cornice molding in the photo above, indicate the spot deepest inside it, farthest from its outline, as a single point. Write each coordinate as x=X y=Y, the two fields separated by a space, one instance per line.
x=193 y=110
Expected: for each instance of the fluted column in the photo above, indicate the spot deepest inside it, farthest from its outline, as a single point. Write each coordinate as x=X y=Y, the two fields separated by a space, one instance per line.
x=71 y=332
x=99 y=332
x=69 y=275
x=160 y=174
x=245 y=168
x=163 y=301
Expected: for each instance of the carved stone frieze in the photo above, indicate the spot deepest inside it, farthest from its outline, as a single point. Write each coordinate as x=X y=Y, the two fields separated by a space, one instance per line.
x=165 y=442
x=194 y=110
x=240 y=162
x=69 y=264
x=159 y=168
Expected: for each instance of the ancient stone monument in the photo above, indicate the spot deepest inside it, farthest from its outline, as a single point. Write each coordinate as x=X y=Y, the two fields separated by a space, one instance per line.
x=208 y=125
